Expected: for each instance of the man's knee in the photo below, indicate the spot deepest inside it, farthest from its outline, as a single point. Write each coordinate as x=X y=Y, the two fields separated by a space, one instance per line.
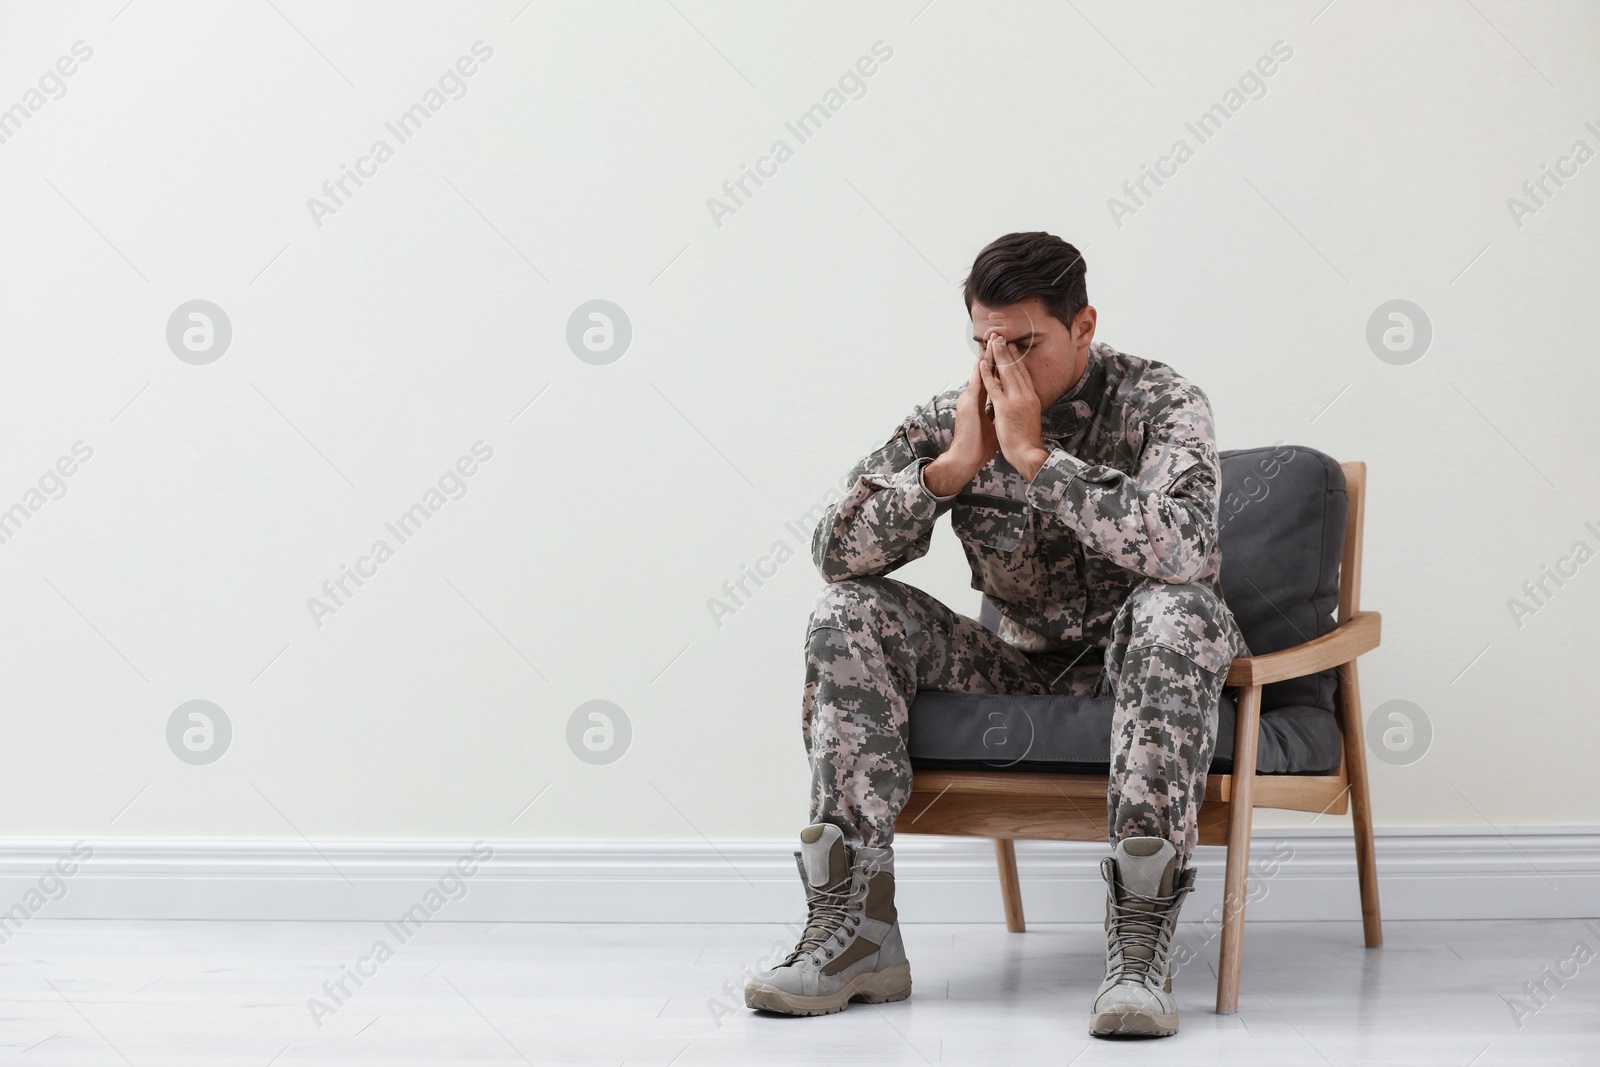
x=1186 y=618
x=853 y=602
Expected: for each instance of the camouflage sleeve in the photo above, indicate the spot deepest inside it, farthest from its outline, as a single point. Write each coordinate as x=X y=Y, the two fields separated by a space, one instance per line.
x=886 y=518
x=1160 y=521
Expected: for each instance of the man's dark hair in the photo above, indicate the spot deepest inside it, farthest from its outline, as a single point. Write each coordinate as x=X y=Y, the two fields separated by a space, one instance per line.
x=1020 y=265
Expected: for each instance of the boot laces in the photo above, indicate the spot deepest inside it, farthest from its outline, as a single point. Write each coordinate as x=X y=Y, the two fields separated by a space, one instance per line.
x=1140 y=922
x=831 y=915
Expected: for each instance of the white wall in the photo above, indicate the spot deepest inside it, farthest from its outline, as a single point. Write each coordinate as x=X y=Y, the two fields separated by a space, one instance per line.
x=371 y=351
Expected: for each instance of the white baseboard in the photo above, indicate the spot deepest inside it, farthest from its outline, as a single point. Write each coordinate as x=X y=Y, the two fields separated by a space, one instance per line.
x=1296 y=875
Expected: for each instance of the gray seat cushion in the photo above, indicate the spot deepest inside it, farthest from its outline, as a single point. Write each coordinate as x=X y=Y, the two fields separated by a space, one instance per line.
x=1282 y=518
x=1072 y=735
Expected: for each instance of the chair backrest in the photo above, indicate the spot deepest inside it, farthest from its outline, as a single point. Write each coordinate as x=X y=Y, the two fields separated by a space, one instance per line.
x=1282 y=517
x=1287 y=561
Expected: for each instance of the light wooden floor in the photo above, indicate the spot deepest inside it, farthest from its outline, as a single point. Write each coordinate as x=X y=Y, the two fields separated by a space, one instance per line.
x=215 y=993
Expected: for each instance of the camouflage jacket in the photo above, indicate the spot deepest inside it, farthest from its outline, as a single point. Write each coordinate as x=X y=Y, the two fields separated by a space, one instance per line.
x=1130 y=492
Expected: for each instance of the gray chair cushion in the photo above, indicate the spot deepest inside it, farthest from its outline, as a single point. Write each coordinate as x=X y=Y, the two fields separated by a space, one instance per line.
x=1282 y=525
x=1072 y=735
x=1281 y=519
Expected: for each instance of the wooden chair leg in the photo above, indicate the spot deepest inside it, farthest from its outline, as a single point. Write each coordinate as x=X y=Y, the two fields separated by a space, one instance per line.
x=1005 y=854
x=1355 y=760
x=1235 y=879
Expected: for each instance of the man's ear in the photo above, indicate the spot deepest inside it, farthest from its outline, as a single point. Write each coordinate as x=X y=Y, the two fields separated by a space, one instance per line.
x=1083 y=325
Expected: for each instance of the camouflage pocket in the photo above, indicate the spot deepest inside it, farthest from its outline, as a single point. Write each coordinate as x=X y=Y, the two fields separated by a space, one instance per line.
x=992 y=521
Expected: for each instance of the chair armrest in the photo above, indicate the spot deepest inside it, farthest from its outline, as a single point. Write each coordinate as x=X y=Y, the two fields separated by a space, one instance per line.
x=1357 y=634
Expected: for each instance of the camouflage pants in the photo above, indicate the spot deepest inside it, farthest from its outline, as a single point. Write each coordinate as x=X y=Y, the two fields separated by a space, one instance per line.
x=874 y=642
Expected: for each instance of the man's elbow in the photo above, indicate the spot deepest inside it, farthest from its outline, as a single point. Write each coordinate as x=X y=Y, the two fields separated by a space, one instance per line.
x=1178 y=573
x=830 y=562
x=836 y=569
x=1181 y=547
x=1182 y=565
x=823 y=549
x=837 y=566
x=833 y=571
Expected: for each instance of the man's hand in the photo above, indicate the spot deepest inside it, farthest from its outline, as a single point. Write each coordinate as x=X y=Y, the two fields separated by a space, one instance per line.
x=1016 y=406
x=973 y=444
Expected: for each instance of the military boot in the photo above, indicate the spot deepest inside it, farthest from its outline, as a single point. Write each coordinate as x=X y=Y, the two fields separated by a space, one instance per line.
x=1144 y=890
x=851 y=945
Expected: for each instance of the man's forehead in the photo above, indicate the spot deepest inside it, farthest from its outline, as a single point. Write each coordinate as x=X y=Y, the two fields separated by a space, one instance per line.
x=1013 y=318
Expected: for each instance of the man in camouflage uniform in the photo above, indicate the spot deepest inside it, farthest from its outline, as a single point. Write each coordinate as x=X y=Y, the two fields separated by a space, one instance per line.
x=1083 y=484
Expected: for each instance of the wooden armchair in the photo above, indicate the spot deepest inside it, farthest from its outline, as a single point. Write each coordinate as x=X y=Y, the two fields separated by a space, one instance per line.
x=1006 y=805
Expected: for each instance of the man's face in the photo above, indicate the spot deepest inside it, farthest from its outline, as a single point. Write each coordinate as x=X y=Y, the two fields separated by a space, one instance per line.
x=1053 y=353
